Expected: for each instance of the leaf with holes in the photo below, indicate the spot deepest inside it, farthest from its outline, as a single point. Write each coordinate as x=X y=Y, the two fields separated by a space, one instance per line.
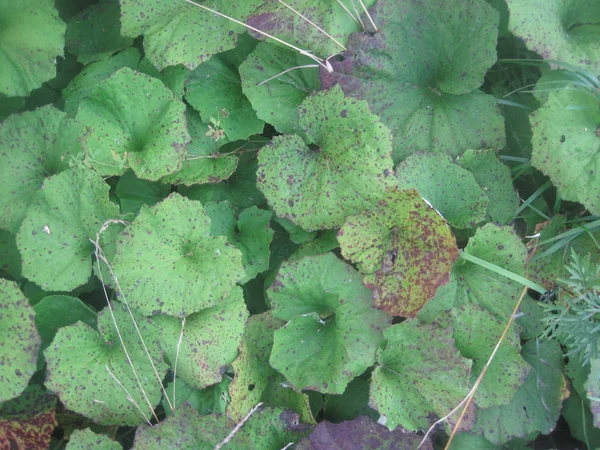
x=209 y=341
x=343 y=171
x=421 y=75
x=124 y=132
x=333 y=331
x=566 y=145
x=168 y=263
x=33 y=145
x=404 y=248
x=407 y=387
x=54 y=238
x=90 y=372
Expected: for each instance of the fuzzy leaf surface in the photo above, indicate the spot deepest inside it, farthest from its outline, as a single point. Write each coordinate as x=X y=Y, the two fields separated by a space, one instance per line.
x=420 y=74
x=404 y=248
x=32 y=37
x=407 y=385
x=452 y=190
x=33 y=145
x=147 y=136
x=77 y=368
x=54 y=238
x=343 y=171
x=19 y=341
x=180 y=33
x=210 y=340
x=332 y=332
x=168 y=263
x=566 y=145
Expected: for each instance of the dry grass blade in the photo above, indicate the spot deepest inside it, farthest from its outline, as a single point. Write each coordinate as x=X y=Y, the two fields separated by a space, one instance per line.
x=368 y=15
x=345 y=8
x=237 y=427
x=465 y=403
x=129 y=397
x=176 y=361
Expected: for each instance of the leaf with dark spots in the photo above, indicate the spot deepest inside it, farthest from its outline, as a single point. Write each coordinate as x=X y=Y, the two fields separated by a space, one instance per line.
x=332 y=332
x=359 y=434
x=421 y=75
x=404 y=248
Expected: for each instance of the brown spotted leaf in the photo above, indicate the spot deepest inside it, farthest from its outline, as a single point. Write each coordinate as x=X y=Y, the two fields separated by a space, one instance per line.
x=404 y=248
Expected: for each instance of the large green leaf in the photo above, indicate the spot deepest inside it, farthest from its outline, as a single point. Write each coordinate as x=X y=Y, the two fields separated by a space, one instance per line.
x=562 y=30
x=276 y=102
x=180 y=33
x=94 y=33
x=33 y=146
x=168 y=263
x=90 y=371
x=88 y=440
x=148 y=136
x=31 y=37
x=404 y=248
x=472 y=283
x=209 y=342
x=255 y=380
x=566 y=145
x=421 y=72
x=452 y=190
x=133 y=193
x=419 y=375
x=54 y=238
x=536 y=405
x=214 y=89
x=344 y=170
x=19 y=341
x=332 y=332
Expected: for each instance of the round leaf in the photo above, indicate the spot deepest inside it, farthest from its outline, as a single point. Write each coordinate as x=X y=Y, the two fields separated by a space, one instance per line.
x=566 y=145
x=84 y=366
x=405 y=249
x=54 y=238
x=32 y=37
x=168 y=263
x=332 y=332
x=420 y=75
x=452 y=190
x=149 y=136
x=342 y=172
x=19 y=341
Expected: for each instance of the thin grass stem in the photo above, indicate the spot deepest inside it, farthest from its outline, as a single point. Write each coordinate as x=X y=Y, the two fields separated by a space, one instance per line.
x=345 y=8
x=237 y=427
x=129 y=396
x=176 y=361
x=368 y=15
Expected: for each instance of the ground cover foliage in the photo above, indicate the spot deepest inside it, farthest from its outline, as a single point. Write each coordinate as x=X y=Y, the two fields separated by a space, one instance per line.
x=215 y=238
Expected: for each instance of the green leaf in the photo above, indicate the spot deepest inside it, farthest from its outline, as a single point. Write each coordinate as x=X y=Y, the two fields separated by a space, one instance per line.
x=180 y=33
x=404 y=248
x=86 y=81
x=255 y=380
x=297 y=234
x=19 y=341
x=495 y=179
x=276 y=102
x=168 y=263
x=352 y=404
x=277 y=19
x=148 y=136
x=203 y=162
x=32 y=38
x=134 y=193
x=172 y=77
x=54 y=238
x=214 y=89
x=33 y=145
x=84 y=366
x=566 y=145
x=561 y=30
x=420 y=75
x=211 y=400
x=10 y=258
x=332 y=332
x=471 y=283
x=476 y=333
x=452 y=190
x=343 y=171
x=94 y=33
x=419 y=375
x=88 y=440
x=209 y=342
x=592 y=387
x=536 y=405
